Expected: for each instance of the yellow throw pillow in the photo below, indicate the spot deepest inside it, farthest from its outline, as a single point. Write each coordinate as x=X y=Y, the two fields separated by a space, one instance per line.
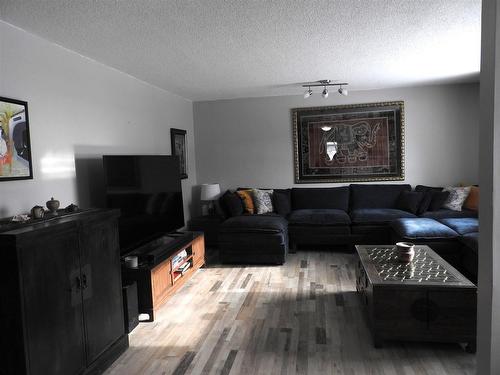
x=472 y=201
x=246 y=197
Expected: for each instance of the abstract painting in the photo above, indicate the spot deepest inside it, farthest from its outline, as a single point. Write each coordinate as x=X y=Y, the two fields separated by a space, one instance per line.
x=15 y=149
x=349 y=143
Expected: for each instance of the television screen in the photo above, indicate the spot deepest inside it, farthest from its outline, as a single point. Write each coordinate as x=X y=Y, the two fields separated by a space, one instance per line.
x=147 y=190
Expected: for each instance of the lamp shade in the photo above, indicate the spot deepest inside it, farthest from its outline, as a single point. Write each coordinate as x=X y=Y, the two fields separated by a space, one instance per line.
x=210 y=192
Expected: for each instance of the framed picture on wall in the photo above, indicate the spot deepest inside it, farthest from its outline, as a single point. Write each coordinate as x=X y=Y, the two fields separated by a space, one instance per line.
x=349 y=143
x=179 y=148
x=15 y=147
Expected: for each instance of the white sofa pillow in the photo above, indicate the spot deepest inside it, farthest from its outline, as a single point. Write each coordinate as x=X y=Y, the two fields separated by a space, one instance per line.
x=457 y=197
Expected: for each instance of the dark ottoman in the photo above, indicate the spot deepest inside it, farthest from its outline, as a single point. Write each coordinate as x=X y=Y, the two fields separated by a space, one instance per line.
x=260 y=239
x=424 y=231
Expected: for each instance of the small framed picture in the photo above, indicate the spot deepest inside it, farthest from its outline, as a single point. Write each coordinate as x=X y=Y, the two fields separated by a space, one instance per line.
x=179 y=148
x=15 y=148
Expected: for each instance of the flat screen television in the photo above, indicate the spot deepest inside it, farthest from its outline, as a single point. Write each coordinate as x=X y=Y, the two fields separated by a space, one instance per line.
x=147 y=190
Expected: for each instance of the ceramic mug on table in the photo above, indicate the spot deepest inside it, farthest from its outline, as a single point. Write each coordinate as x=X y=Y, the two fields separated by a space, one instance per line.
x=406 y=251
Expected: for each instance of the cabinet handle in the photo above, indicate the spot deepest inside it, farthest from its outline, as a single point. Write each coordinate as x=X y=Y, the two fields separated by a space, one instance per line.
x=84 y=281
x=78 y=283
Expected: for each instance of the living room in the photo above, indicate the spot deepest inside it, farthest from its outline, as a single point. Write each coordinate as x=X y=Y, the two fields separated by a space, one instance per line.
x=229 y=83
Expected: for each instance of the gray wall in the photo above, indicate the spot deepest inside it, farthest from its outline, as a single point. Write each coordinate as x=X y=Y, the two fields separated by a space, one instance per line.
x=78 y=110
x=488 y=359
x=248 y=142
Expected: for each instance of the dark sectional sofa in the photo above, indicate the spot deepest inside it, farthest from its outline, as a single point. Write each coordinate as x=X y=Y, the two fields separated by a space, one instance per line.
x=355 y=214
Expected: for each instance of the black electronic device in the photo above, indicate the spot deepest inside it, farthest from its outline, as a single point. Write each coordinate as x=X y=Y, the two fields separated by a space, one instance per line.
x=147 y=189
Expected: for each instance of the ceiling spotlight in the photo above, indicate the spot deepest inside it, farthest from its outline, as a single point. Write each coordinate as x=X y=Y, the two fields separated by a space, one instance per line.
x=324 y=83
x=308 y=93
x=326 y=128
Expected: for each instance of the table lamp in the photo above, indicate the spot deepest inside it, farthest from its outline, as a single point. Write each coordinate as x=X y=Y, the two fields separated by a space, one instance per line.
x=209 y=193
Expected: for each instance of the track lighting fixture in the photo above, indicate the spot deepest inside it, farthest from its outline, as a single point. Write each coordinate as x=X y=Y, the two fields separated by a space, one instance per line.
x=324 y=83
x=308 y=93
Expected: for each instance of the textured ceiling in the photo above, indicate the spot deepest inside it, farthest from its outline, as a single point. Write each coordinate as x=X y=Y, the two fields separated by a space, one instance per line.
x=213 y=49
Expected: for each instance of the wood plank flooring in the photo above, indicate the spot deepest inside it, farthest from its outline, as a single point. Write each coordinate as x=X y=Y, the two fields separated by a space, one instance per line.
x=300 y=318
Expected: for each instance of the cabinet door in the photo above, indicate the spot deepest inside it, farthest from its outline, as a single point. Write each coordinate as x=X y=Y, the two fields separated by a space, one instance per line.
x=102 y=289
x=52 y=302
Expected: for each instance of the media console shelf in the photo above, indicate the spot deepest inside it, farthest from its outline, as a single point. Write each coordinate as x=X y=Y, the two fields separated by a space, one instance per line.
x=156 y=282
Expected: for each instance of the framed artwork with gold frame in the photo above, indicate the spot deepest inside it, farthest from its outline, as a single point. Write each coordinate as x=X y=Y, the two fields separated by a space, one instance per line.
x=349 y=143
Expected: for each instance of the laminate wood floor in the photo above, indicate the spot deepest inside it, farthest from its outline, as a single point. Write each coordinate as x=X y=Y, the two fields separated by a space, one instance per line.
x=300 y=318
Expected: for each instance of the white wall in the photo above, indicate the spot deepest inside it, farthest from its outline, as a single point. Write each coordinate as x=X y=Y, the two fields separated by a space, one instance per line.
x=78 y=110
x=488 y=312
x=248 y=142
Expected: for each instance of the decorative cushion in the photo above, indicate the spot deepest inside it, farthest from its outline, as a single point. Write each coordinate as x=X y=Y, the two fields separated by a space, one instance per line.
x=282 y=201
x=472 y=201
x=262 y=200
x=246 y=197
x=376 y=196
x=427 y=198
x=377 y=215
x=462 y=225
x=445 y=213
x=438 y=200
x=335 y=198
x=422 y=228
x=409 y=201
x=319 y=217
x=232 y=203
x=457 y=197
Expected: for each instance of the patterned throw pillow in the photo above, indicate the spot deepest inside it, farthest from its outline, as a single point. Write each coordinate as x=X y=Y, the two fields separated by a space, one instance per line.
x=263 y=201
x=246 y=197
x=457 y=197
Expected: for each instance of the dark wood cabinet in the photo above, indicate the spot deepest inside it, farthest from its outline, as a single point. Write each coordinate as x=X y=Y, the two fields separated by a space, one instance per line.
x=61 y=304
x=423 y=300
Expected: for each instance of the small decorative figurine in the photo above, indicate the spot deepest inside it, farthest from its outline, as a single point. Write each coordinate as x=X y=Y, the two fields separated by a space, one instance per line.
x=53 y=205
x=37 y=212
x=71 y=208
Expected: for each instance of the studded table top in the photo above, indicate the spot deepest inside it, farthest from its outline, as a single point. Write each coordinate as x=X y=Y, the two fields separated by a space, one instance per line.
x=423 y=268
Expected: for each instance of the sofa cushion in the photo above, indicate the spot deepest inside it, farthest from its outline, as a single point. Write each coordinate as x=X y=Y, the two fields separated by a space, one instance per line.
x=282 y=201
x=422 y=228
x=444 y=213
x=472 y=201
x=319 y=217
x=462 y=225
x=427 y=199
x=457 y=197
x=438 y=200
x=255 y=223
x=471 y=240
x=247 y=199
x=377 y=215
x=409 y=201
x=232 y=204
x=334 y=198
x=262 y=200
x=376 y=196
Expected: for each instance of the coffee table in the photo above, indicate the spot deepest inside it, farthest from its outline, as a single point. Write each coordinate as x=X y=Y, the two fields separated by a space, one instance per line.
x=424 y=300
